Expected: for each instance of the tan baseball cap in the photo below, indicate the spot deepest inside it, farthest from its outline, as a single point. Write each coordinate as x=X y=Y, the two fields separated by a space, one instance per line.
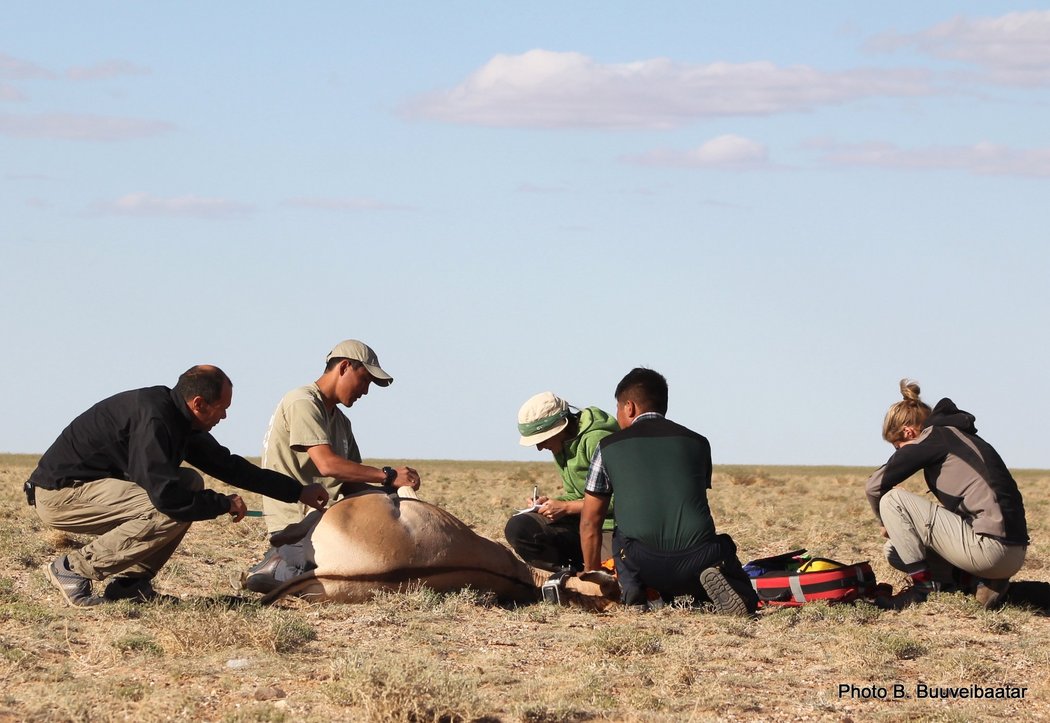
x=358 y=350
x=541 y=417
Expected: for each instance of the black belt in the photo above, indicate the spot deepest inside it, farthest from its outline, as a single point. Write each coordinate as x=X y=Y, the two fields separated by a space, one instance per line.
x=30 y=489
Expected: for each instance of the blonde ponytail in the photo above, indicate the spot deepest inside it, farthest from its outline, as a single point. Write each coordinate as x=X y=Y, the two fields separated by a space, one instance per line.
x=911 y=411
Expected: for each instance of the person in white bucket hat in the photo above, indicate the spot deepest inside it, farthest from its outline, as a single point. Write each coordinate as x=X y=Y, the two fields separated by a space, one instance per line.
x=548 y=536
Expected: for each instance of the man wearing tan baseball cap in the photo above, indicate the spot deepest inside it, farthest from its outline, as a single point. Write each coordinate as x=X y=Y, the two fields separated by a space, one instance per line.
x=309 y=439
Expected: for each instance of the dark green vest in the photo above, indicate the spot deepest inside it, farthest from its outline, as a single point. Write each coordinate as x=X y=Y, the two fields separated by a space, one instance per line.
x=660 y=473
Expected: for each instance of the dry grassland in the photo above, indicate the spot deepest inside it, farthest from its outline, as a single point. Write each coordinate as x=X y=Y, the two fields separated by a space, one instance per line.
x=418 y=656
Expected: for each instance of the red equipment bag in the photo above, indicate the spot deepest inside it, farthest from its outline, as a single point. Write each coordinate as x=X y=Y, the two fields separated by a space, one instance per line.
x=791 y=579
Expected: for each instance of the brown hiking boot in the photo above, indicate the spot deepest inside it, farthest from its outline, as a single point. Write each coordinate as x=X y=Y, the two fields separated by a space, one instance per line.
x=991 y=594
x=76 y=590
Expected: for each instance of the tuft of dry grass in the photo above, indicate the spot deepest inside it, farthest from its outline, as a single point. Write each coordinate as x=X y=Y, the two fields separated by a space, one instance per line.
x=417 y=655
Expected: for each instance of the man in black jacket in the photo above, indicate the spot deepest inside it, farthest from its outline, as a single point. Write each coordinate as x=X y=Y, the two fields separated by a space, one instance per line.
x=116 y=472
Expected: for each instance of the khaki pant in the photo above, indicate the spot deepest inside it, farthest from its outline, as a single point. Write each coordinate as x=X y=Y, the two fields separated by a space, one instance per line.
x=134 y=538
x=918 y=527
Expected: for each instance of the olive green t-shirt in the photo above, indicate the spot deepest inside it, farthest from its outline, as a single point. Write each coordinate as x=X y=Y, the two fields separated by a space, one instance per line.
x=301 y=421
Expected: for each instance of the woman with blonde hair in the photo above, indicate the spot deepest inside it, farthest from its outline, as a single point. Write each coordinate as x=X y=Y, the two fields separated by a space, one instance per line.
x=977 y=523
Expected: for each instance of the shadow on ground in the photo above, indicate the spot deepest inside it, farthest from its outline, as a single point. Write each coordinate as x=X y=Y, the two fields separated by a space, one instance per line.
x=1031 y=594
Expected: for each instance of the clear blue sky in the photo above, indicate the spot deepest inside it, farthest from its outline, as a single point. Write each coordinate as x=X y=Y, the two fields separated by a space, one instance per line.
x=783 y=207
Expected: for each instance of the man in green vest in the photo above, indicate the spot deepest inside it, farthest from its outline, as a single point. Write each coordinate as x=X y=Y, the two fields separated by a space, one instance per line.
x=665 y=538
x=546 y=534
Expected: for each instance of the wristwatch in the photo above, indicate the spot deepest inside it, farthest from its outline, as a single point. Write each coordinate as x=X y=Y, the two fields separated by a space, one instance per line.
x=391 y=475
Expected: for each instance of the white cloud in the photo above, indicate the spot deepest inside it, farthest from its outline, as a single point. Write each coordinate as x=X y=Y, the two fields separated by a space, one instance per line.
x=15 y=69
x=74 y=127
x=983 y=159
x=143 y=204
x=106 y=69
x=8 y=92
x=346 y=204
x=1013 y=49
x=728 y=152
x=547 y=89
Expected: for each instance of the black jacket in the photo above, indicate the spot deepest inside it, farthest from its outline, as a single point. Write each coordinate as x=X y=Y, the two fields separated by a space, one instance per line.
x=143 y=436
x=965 y=473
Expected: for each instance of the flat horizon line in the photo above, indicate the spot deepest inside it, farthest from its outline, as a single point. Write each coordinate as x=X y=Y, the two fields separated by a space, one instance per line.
x=718 y=467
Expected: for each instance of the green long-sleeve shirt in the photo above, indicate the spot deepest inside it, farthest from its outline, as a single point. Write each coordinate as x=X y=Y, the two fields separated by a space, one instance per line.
x=575 y=458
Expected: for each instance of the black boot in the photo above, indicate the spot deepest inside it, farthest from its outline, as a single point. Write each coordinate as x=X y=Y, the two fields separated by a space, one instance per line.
x=136 y=589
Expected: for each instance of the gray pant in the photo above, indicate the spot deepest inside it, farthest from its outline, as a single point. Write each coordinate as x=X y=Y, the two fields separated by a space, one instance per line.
x=134 y=538
x=918 y=527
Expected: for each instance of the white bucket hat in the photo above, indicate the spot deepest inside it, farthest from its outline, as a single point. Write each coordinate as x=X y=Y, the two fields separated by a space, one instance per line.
x=542 y=417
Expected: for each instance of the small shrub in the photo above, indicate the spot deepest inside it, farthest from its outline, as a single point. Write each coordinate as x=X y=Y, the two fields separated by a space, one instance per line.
x=259 y=713
x=138 y=643
x=290 y=633
x=133 y=691
x=553 y=715
x=539 y=613
x=35 y=613
x=998 y=625
x=737 y=627
x=377 y=691
x=858 y=613
x=628 y=640
x=417 y=598
x=412 y=598
x=902 y=647
x=745 y=479
x=11 y=652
